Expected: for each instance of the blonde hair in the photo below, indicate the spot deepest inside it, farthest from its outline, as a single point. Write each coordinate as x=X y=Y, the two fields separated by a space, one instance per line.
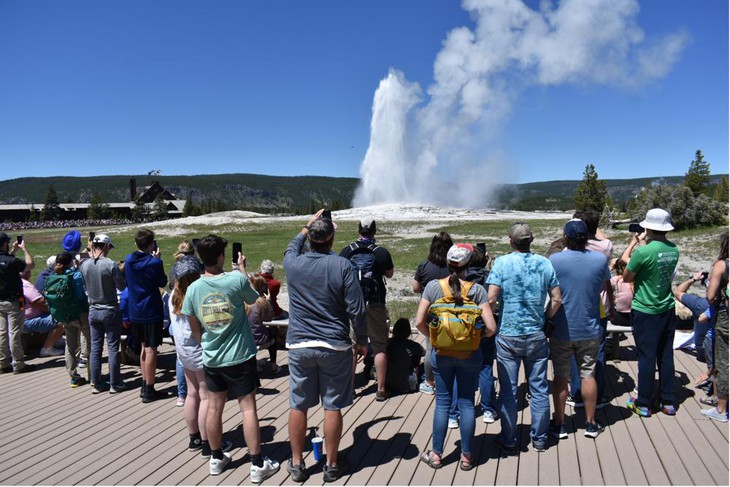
x=184 y=248
x=181 y=287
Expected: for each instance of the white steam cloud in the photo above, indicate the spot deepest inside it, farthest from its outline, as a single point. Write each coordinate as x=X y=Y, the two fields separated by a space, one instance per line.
x=439 y=149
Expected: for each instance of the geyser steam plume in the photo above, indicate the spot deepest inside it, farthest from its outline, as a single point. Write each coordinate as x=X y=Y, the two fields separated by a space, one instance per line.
x=442 y=148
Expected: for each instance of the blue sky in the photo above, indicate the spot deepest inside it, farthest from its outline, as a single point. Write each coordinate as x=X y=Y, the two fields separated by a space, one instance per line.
x=286 y=88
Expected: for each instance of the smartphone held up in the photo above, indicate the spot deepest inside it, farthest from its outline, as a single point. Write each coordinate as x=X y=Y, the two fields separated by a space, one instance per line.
x=237 y=250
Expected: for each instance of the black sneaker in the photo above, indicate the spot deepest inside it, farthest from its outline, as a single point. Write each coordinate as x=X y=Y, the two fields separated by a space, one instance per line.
x=333 y=473
x=558 y=430
x=507 y=450
x=150 y=394
x=298 y=472
x=195 y=444
x=539 y=447
x=226 y=446
x=593 y=430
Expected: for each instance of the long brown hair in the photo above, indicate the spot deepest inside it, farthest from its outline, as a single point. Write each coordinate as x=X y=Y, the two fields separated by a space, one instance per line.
x=455 y=285
x=181 y=287
x=263 y=306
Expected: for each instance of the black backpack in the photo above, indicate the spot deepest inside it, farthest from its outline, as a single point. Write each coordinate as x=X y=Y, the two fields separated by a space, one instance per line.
x=363 y=262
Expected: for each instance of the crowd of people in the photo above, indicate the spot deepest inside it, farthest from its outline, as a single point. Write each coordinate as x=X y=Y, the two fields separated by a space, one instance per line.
x=479 y=315
x=32 y=225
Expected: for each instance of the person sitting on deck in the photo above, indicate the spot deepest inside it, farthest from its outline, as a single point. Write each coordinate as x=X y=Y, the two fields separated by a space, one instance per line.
x=273 y=285
x=258 y=313
x=404 y=357
x=38 y=318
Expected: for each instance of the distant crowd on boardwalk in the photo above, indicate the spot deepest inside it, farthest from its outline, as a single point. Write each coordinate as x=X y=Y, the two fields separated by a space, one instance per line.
x=104 y=222
x=520 y=309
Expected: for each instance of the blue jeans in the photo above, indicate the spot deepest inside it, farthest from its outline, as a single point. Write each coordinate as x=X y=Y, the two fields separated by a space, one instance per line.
x=486 y=380
x=105 y=322
x=182 y=384
x=654 y=337
x=533 y=351
x=464 y=374
x=600 y=368
x=40 y=324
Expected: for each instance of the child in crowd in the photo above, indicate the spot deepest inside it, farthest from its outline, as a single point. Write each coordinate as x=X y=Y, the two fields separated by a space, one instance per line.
x=190 y=355
x=404 y=358
x=258 y=313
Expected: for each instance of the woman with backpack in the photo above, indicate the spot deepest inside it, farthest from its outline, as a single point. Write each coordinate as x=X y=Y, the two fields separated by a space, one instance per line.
x=66 y=298
x=434 y=267
x=455 y=314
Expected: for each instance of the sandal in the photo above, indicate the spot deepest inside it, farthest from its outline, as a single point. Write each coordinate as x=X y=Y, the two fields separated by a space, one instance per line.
x=427 y=457
x=467 y=462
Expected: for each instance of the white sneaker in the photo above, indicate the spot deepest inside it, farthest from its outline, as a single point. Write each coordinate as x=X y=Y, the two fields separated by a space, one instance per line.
x=217 y=466
x=51 y=352
x=259 y=474
x=180 y=402
x=453 y=424
x=489 y=417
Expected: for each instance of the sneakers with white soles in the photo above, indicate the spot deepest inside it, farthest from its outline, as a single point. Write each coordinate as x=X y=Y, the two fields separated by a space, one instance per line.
x=259 y=474
x=218 y=465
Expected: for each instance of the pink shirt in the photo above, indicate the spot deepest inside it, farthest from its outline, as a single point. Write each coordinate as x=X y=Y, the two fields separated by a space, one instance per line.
x=31 y=295
x=622 y=294
x=603 y=246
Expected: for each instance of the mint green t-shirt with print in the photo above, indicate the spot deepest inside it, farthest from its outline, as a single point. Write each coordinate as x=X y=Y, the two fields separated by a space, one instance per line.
x=654 y=265
x=218 y=303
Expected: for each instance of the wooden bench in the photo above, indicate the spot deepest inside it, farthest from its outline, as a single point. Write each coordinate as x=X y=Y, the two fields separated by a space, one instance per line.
x=614 y=334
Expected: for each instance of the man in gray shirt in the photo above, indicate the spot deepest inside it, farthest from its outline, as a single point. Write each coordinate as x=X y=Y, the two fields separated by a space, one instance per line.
x=102 y=278
x=324 y=296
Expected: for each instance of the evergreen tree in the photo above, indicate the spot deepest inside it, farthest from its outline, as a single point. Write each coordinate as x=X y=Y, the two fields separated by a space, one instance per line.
x=98 y=209
x=159 y=208
x=189 y=208
x=591 y=193
x=51 y=208
x=721 y=190
x=697 y=178
x=139 y=212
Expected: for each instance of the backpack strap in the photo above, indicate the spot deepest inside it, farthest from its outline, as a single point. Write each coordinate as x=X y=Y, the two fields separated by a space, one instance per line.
x=465 y=288
x=445 y=288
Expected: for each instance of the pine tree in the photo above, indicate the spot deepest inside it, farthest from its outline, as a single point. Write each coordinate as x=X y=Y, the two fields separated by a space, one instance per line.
x=51 y=208
x=189 y=208
x=697 y=178
x=721 y=190
x=139 y=212
x=159 y=208
x=591 y=193
x=98 y=209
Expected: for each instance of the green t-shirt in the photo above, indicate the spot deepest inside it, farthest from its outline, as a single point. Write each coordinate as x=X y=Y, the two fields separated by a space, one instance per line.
x=654 y=265
x=218 y=303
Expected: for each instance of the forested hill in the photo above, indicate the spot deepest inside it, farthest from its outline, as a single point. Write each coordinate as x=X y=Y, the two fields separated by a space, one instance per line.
x=292 y=194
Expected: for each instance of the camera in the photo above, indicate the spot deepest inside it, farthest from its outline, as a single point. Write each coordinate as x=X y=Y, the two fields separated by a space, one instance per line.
x=635 y=228
x=703 y=280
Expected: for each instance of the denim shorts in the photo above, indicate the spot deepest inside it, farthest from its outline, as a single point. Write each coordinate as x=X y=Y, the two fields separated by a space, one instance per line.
x=39 y=324
x=320 y=372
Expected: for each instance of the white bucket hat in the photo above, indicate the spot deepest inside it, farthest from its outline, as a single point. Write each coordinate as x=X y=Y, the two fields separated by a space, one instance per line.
x=657 y=219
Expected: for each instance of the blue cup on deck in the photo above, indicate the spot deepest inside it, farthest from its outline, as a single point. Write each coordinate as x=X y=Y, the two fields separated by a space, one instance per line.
x=317 y=449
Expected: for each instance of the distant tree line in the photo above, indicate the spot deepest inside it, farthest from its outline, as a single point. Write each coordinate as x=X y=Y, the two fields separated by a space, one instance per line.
x=695 y=203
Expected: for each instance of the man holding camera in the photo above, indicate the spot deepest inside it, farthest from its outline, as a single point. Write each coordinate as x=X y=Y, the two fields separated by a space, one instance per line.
x=11 y=305
x=324 y=296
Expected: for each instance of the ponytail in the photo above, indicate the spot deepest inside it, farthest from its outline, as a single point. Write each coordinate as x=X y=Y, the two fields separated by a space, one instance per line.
x=455 y=285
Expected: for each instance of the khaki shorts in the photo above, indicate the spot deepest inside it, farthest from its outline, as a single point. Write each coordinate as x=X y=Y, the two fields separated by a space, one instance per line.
x=378 y=327
x=584 y=351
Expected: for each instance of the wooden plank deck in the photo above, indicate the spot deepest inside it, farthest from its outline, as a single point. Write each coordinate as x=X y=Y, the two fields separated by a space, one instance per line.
x=53 y=434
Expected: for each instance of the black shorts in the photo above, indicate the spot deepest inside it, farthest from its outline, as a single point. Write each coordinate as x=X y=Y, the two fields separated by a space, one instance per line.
x=240 y=379
x=150 y=334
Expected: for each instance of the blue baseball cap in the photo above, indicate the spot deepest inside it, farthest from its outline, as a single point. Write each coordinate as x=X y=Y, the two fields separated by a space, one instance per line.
x=72 y=241
x=576 y=228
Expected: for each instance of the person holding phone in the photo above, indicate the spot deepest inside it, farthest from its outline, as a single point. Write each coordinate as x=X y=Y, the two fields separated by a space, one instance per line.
x=216 y=311
x=650 y=267
x=12 y=356
x=145 y=276
x=319 y=340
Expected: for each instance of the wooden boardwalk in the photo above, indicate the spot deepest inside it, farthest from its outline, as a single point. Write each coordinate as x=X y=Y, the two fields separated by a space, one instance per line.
x=52 y=434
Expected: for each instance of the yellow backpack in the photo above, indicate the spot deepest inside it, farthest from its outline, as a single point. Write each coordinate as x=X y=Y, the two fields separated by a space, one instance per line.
x=455 y=330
